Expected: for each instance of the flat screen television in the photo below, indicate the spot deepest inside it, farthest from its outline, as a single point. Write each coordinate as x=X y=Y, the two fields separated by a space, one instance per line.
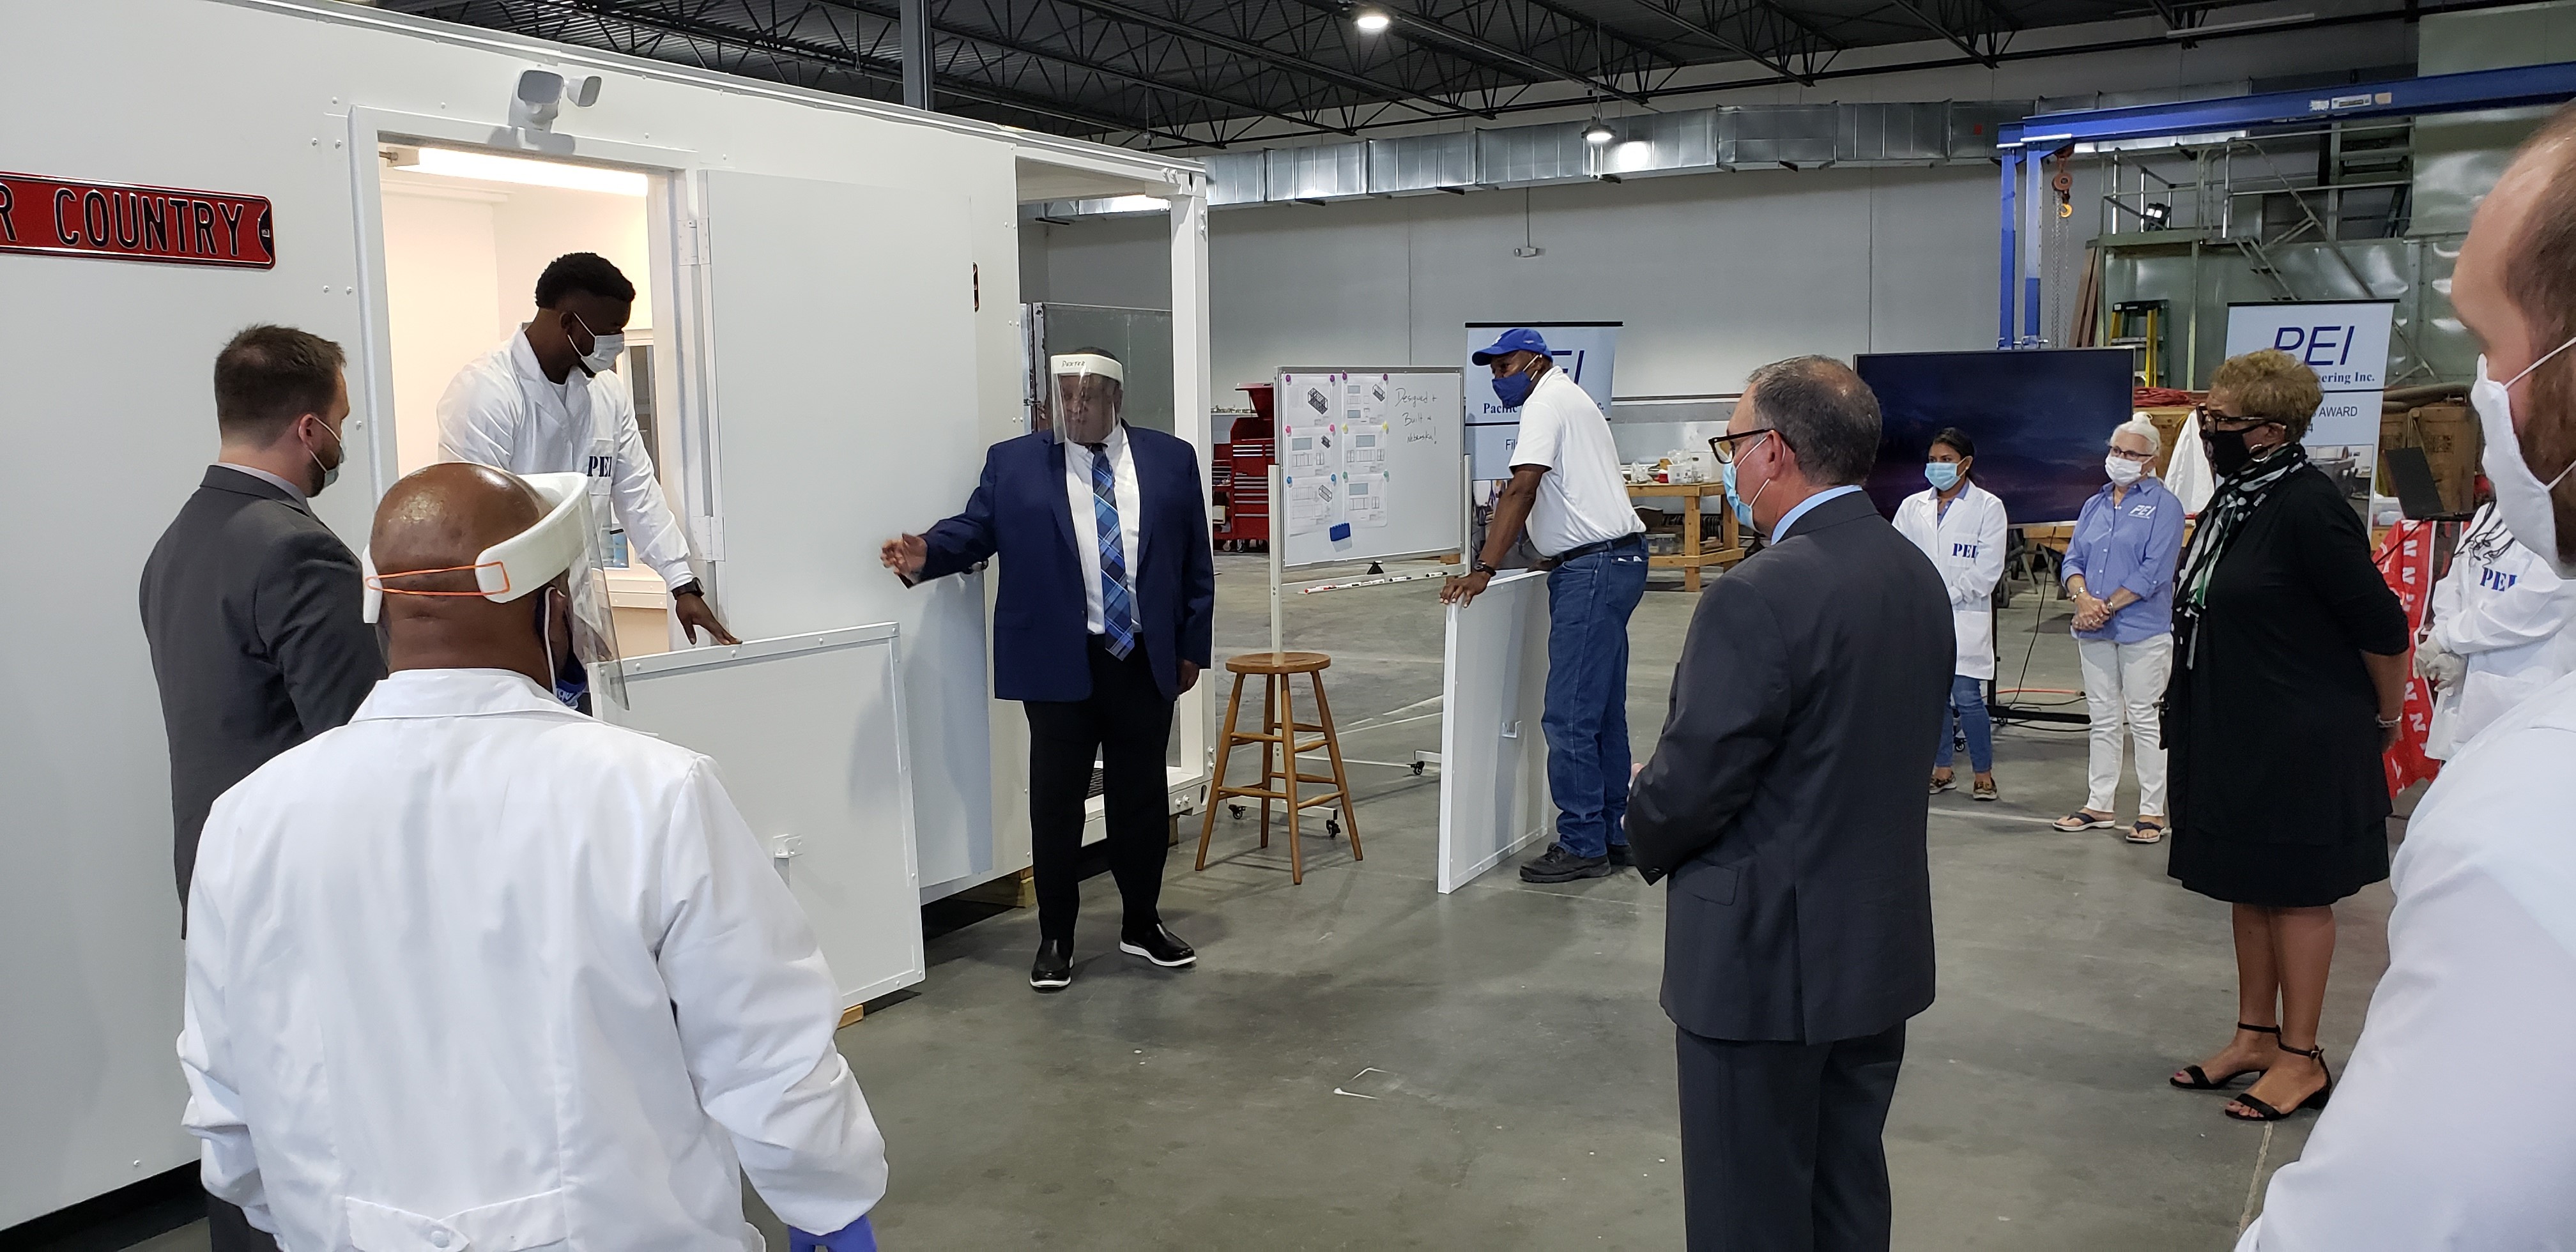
x=2041 y=419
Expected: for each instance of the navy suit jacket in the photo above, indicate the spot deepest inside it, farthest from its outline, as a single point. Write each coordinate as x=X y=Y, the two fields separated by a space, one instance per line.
x=1020 y=512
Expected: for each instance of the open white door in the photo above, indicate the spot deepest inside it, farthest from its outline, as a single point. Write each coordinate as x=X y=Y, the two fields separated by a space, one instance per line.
x=1493 y=760
x=835 y=407
x=808 y=733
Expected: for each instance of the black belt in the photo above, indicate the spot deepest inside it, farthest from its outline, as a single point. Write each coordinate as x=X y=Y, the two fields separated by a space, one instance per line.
x=1587 y=549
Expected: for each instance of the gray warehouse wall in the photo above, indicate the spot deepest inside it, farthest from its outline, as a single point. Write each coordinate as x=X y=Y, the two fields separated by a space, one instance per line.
x=1714 y=275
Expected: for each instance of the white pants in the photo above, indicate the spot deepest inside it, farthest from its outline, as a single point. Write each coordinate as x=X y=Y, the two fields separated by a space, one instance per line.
x=2122 y=682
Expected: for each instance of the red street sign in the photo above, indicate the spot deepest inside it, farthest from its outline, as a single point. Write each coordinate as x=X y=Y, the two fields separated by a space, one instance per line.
x=135 y=223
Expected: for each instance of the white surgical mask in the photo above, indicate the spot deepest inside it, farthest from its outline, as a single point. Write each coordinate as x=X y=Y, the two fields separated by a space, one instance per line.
x=2522 y=500
x=2121 y=469
x=603 y=349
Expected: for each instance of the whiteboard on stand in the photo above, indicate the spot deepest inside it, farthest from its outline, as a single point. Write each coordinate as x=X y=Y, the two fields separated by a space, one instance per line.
x=1493 y=758
x=1368 y=463
x=807 y=732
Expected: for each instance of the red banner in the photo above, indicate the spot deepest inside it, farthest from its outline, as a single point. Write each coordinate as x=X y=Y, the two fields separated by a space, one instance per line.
x=2405 y=560
x=135 y=223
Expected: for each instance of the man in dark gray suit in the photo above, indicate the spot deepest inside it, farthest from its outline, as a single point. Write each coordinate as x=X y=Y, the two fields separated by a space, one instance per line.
x=251 y=605
x=1785 y=798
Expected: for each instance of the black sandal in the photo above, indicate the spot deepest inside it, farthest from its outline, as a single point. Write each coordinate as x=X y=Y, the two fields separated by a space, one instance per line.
x=2200 y=1079
x=2315 y=1100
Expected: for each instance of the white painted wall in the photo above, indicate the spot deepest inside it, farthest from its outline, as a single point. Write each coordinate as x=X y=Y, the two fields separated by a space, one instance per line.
x=1713 y=274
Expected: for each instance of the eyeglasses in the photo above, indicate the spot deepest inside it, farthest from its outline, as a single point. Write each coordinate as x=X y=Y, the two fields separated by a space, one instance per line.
x=1725 y=447
x=2206 y=416
x=2139 y=457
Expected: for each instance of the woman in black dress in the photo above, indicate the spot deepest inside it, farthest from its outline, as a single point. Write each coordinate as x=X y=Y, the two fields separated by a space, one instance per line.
x=2289 y=675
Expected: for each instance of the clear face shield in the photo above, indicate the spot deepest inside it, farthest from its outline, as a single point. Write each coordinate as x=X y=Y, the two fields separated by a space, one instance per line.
x=557 y=568
x=1088 y=389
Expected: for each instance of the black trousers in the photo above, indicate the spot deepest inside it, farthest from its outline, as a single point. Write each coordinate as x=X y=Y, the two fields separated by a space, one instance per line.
x=1781 y=1142
x=228 y=1231
x=1128 y=722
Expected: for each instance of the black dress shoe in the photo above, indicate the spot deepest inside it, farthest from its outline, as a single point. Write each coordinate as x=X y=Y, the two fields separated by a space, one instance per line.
x=1620 y=856
x=1160 y=946
x=1559 y=865
x=1054 y=968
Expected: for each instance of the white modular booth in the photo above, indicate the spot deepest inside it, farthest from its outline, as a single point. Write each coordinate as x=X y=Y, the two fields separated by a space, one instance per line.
x=826 y=342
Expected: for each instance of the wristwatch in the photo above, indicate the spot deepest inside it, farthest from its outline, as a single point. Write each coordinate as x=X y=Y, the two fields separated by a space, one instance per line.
x=1481 y=568
x=689 y=588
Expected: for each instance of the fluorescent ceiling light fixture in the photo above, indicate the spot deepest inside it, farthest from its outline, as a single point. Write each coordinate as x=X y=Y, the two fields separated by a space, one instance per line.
x=1372 y=21
x=491 y=168
x=1132 y=204
x=2200 y=139
x=1599 y=132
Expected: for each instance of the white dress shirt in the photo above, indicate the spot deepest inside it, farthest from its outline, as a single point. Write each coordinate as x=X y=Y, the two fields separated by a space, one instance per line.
x=2415 y=1152
x=476 y=971
x=1086 y=519
x=1583 y=498
x=501 y=410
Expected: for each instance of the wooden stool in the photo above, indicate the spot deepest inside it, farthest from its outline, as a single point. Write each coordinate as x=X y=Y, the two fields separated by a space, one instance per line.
x=1278 y=737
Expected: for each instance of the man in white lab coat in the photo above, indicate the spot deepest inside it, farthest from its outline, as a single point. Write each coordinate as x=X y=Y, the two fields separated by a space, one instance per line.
x=2497 y=635
x=2482 y=941
x=476 y=971
x=549 y=400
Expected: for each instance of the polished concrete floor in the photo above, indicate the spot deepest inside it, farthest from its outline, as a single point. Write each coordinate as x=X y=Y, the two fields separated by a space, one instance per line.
x=1361 y=1062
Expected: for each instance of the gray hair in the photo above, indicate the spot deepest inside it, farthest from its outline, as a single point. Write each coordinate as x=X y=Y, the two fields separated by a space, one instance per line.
x=2144 y=427
x=1824 y=412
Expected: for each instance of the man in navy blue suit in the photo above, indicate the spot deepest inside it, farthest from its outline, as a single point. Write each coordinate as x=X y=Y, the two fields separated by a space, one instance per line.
x=1108 y=594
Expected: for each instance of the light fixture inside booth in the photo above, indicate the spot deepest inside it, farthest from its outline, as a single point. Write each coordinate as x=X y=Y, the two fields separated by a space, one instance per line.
x=1372 y=21
x=494 y=168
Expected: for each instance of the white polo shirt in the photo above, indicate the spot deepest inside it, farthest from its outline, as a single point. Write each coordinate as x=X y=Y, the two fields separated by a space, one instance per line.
x=1583 y=498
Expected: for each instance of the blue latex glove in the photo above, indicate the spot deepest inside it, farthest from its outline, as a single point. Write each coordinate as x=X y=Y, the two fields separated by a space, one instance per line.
x=858 y=1236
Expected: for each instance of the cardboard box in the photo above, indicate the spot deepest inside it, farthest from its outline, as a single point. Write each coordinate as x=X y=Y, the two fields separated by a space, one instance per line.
x=2449 y=436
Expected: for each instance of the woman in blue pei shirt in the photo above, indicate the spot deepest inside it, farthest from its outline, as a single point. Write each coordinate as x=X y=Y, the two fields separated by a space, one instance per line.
x=2120 y=569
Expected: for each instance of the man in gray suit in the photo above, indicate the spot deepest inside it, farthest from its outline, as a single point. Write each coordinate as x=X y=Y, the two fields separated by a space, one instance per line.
x=251 y=605
x=1785 y=799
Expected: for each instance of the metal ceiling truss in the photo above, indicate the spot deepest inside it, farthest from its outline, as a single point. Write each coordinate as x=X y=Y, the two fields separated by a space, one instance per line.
x=1762 y=31
x=1980 y=28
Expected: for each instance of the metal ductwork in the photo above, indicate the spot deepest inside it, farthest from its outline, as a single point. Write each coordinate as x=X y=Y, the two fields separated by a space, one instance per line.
x=1694 y=141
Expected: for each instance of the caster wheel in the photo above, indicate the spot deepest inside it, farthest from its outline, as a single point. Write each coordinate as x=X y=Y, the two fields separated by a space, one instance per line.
x=1417 y=769
x=1332 y=827
x=1236 y=810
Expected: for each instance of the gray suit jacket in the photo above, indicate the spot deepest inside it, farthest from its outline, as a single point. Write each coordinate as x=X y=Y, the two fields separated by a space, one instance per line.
x=1786 y=796
x=251 y=607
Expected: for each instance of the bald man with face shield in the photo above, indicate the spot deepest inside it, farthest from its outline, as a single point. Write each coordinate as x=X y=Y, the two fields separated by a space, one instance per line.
x=2482 y=940
x=1104 y=618
x=477 y=971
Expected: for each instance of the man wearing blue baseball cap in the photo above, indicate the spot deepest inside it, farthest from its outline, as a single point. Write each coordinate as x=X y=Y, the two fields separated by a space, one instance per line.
x=1566 y=489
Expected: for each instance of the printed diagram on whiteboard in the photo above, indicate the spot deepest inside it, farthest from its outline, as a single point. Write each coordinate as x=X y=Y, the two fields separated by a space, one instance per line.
x=1333 y=454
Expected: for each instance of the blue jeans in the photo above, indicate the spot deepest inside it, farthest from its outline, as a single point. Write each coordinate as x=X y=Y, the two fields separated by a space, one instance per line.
x=1968 y=712
x=1588 y=602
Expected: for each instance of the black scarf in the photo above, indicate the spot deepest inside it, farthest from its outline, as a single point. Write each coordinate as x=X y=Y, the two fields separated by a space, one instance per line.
x=2237 y=499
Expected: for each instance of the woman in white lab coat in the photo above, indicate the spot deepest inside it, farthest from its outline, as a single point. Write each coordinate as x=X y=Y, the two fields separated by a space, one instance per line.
x=1960 y=525
x=2496 y=634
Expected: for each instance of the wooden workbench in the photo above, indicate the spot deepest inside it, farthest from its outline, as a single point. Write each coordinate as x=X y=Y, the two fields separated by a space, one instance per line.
x=1691 y=559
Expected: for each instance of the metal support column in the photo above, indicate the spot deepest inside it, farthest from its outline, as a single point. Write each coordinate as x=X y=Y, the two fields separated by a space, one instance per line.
x=915 y=39
x=2033 y=197
x=2008 y=256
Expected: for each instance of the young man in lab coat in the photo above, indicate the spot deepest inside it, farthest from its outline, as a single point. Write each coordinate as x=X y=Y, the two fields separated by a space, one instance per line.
x=1567 y=490
x=477 y=971
x=549 y=400
x=2482 y=940
x=2498 y=633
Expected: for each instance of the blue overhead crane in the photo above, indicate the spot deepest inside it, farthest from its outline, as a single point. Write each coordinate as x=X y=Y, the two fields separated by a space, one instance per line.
x=2022 y=146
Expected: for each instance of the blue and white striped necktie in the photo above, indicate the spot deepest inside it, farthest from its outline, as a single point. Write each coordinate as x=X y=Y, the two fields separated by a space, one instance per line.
x=1117 y=608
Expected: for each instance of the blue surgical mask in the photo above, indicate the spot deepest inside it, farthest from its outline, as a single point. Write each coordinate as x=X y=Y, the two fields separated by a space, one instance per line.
x=1943 y=475
x=1743 y=507
x=1513 y=389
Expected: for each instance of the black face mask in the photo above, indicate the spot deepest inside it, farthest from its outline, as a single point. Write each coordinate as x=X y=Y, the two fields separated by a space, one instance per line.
x=2227 y=451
